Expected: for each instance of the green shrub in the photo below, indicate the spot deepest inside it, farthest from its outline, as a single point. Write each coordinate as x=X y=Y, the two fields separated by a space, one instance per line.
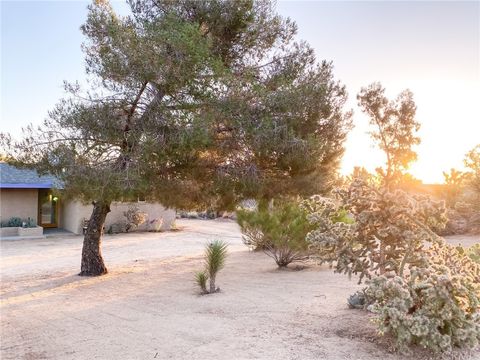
x=201 y=278
x=14 y=222
x=215 y=256
x=30 y=223
x=436 y=307
x=279 y=231
x=18 y=222
x=253 y=237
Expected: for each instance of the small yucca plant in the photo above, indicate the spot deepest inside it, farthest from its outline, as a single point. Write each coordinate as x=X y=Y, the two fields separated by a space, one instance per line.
x=215 y=255
x=201 y=278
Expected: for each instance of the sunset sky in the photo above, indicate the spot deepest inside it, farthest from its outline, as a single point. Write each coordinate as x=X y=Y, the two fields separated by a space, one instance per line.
x=432 y=48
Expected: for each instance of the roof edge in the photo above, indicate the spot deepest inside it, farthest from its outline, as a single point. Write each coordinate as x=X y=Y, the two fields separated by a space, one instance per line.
x=26 y=186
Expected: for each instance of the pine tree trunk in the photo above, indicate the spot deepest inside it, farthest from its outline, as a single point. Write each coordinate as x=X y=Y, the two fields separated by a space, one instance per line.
x=92 y=261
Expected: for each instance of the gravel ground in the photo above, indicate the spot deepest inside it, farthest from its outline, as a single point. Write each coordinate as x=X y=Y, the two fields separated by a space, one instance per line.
x=147 y=307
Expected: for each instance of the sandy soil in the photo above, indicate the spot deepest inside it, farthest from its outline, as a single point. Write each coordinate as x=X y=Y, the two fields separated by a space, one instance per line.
x=147 y=307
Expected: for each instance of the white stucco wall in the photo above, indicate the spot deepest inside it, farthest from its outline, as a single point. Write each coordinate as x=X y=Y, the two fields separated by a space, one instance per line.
x=18 y=202
x=73 y=213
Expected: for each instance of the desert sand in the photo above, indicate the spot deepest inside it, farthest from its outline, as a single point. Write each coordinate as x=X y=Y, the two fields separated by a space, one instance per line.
x=148 y=306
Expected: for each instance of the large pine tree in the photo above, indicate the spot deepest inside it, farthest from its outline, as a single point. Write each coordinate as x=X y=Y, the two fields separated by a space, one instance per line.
x=191 y=102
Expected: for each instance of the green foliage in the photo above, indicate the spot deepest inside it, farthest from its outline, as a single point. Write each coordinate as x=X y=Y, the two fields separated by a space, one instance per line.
x=249 y=221
x=279 y=231
x=252 y=236
x=30 y=223
x=436 y=306
x=15 y=221
x=197 y=103
x=215 y=256
x=201 y=278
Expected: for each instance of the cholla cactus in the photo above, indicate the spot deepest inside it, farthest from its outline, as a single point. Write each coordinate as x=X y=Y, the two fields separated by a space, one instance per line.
x=422 y=295
x=388 y=234
x=331 y=241
x=474 y=253
x=437 y=306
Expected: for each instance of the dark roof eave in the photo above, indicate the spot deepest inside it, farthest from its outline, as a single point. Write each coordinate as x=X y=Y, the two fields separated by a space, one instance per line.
x=27 y=186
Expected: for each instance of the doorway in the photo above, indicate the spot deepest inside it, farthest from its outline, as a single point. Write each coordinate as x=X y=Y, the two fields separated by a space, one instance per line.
x=47 y=209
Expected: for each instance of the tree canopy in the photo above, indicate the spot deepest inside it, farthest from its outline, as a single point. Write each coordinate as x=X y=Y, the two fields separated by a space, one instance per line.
x=191 y=103
x=395 y=128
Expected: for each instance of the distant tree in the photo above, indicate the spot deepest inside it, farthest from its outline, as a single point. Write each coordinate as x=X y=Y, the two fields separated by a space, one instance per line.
x=472 y=163
x=360 y=172
x=454 y=185
x=404 y=181
x=409 y=183
x=194 y=103
x=395 y=129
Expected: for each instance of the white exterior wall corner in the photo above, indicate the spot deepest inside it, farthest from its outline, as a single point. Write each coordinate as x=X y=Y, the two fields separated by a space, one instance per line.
x=73 y=213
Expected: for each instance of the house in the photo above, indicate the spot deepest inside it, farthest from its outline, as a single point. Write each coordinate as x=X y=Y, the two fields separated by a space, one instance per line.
x=26 y=195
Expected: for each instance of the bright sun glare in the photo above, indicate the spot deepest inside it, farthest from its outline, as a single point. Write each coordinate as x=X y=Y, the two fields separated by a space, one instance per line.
x=450 y=127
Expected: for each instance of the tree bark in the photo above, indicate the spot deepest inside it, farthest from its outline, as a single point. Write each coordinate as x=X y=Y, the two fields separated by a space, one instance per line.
x=92 y=260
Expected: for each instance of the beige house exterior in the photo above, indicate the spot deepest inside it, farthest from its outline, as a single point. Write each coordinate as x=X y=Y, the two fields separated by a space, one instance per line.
x=26 y=195
x=158 y=217
x=18 y=202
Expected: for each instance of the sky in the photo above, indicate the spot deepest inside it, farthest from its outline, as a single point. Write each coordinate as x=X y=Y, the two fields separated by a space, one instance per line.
x=431 y=48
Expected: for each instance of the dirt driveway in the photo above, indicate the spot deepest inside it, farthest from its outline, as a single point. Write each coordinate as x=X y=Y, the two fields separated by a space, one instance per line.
x=147 y=307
